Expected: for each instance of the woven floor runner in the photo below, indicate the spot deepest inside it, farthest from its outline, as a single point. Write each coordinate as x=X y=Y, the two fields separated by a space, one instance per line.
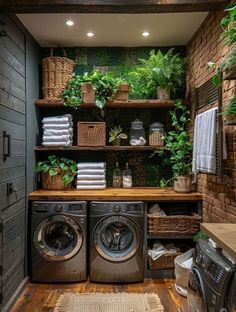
x=109 y=302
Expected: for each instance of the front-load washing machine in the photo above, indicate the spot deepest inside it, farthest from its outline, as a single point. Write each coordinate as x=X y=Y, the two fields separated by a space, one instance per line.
x=116 y=242
x=58 y=241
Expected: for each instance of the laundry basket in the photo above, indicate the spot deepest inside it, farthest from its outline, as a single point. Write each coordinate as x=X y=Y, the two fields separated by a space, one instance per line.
x=182 y=273
x=57 y=71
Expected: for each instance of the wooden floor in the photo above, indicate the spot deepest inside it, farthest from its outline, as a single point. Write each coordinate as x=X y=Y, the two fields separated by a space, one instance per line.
x=42 y=297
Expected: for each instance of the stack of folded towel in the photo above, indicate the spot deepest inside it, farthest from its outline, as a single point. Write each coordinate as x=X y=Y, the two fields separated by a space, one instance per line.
x=91 y=175
x=58 y=131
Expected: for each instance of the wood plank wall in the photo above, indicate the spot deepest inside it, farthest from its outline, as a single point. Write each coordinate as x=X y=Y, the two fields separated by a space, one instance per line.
x=12 y=120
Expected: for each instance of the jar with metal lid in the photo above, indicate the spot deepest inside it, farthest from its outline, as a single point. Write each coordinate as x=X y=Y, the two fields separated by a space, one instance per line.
x=156 y=133
x=137 y=133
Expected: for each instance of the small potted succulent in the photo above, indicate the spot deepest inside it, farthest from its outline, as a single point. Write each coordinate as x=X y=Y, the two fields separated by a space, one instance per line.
x=57 y=172
x=158 y=76
x=115 y=135
x=230 y=112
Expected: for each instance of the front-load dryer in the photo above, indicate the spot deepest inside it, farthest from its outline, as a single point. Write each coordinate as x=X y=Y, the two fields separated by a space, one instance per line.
x=116 y=242
x=58 y=241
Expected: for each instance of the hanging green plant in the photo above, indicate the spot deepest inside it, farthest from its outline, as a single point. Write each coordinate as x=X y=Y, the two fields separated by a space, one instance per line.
x=228 y=24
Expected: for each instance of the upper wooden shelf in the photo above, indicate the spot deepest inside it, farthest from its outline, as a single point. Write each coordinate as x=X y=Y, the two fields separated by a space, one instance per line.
x=114 y=104
x=98 y=148
x=135 y=193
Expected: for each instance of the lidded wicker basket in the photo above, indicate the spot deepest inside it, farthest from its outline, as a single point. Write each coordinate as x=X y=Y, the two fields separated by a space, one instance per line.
x=57 y=71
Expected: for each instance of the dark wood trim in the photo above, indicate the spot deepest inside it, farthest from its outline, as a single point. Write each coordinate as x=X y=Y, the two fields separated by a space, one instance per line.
x=110 y=6
x=99 y=148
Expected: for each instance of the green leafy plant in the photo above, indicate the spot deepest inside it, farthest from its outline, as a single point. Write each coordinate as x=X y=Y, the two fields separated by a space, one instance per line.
x=178 y=148
x=159 y=70
x=116 y=133
x=200 y=235
x=226 y=64
x=105 y=86
x=228 y=24
x=231 y=108
x=54 y=166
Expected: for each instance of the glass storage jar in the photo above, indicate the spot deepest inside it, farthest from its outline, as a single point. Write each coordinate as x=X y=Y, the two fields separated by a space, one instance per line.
x=156 y=133
x=137 y=133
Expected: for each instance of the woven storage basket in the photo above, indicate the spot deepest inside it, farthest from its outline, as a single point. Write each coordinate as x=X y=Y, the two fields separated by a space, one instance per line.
x=164 y=262
x=57 y=71
x=91 y=134
x=173 y=224
x=53 y=183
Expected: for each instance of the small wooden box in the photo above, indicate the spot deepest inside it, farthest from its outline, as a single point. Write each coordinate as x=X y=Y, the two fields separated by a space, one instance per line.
x=91 y=134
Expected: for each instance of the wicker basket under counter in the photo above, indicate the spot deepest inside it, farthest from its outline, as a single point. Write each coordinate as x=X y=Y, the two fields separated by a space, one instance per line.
x=91 y=134
x=173 y=224
x=166 y=261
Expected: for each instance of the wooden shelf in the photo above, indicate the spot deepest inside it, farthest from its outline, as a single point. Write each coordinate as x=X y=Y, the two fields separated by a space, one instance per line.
x=97 y=148
x=135 y=193
x=168 y=236
x=114 y=104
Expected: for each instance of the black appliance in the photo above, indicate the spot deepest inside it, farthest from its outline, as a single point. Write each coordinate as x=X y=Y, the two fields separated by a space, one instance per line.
x=210 y=280
x=58 y=241
x=116 y=242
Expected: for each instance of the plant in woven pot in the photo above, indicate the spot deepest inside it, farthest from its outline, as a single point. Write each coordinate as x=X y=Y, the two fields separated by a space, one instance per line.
x=115 y=135
x=178 y=150
x=57 y=172
x=230 y=112
x=158 y=76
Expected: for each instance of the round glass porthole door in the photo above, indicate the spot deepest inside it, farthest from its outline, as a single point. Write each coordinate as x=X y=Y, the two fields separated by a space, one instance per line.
x=117 y=238
x=58 y=238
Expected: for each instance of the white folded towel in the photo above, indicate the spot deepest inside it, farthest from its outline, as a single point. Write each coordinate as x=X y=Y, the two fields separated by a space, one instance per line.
x=91 y=171
x=91 y=177
x=91 y=182
x=68 y=143
x=56 y=138
x=91 y=165
x=204 y=147
x=61 y=126
x=90 y=187
x=58 y=132
x=57 y=119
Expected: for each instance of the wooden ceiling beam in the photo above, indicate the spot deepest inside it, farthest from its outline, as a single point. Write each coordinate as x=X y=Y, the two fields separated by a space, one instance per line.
x=110 y=6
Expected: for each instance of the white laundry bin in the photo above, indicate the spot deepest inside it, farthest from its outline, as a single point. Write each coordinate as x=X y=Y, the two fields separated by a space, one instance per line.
x=182 y=273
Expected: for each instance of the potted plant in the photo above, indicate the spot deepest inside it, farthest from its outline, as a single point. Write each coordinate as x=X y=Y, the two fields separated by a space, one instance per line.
x=230 y=112
x=158 y=76
x=57 y=172
x=115 y=135
x=179 y=150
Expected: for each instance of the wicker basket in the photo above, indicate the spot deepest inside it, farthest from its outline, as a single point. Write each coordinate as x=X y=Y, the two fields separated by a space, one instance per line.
x=53 y=183
x=91 y=134
x=173 y=224
x=57 y=71
x=164 y=262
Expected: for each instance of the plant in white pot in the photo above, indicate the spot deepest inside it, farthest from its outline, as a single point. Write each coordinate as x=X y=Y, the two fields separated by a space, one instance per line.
x=178 y=149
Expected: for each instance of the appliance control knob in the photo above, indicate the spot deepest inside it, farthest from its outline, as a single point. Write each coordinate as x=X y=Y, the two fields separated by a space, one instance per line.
x=58 y=208
x=116 y=208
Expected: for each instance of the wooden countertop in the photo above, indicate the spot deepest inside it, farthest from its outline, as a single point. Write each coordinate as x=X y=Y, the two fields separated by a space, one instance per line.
x=115 y=194
x=224 y=234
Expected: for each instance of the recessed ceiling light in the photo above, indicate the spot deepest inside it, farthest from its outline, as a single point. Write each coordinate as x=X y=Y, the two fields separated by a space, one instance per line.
x=90 y=34
x=145 y=34
x=69 y=23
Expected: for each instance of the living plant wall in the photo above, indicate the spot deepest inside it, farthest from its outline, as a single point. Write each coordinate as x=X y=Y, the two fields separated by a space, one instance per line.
x=146 y=170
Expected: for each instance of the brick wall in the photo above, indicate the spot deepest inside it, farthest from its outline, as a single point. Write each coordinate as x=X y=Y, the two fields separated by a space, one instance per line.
x=219 y=200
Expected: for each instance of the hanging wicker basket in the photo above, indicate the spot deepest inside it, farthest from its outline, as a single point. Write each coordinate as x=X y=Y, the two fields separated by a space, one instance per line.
x=57 y=71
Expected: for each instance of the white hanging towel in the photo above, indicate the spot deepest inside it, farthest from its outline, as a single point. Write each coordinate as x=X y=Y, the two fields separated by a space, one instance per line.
x=204 y=145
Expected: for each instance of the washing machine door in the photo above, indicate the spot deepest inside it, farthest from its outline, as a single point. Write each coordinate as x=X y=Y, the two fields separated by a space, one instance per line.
x=117 y=238
x=196 y=293
x=58 y=238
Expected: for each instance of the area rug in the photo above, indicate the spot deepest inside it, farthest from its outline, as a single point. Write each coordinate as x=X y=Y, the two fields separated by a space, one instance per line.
x=109 y=302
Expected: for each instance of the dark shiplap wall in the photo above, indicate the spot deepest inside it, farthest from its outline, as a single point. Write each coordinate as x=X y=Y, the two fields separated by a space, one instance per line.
x=12 y=120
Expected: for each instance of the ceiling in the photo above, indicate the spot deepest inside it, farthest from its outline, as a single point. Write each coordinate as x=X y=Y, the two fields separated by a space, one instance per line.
x=165 y=29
